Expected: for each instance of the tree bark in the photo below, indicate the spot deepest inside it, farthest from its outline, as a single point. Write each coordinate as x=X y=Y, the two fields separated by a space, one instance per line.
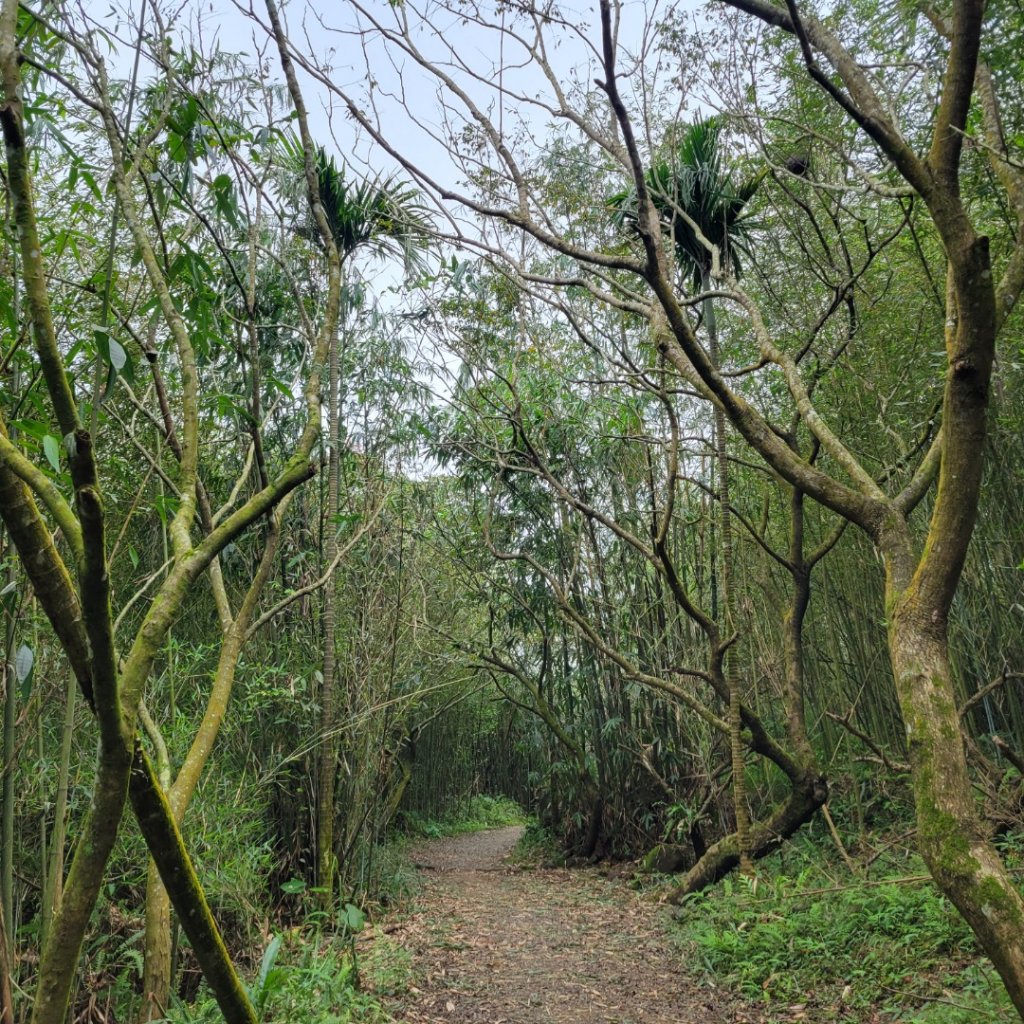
x=168 y=850
x=156 y=949
x=53 y=891
x=951 y=835
x=327 y=763
x=729 y=666
x=6 y=1001
x=765 y=837
x=156 y=981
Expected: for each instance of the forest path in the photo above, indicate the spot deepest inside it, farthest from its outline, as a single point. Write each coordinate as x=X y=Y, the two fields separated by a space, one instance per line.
x=494 y=944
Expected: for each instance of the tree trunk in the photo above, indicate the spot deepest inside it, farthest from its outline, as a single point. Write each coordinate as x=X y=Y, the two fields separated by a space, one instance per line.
x=6 y=1000
x=765 y=837
x=156 y=820
x=729 y=668
x=156 y=975
x=7 y=771
x=593 y=835
x=809 y=788
x=59 y=961
x=327 y=767
x=54 y=890
x=951 y=835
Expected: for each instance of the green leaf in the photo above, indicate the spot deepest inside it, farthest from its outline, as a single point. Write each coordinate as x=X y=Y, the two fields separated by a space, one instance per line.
x=24 y=663
x=51 y=449
x=353 y=918
x=269 y=980
x=34 y=428
x=224 y=198
x=293 y=886
x=113 y=354
x=24 y=660
x=117 y=355
x=269 y=959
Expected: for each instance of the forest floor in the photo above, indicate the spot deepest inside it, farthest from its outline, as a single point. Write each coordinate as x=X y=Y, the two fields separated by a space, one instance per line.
x=493 y=943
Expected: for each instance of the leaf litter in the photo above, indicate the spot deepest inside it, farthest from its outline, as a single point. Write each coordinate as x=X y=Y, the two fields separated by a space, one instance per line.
x=503 y=945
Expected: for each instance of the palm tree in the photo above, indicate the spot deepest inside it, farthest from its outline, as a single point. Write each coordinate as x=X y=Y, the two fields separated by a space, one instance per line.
x=691 y=190
x=704 y=214
x=382 y=218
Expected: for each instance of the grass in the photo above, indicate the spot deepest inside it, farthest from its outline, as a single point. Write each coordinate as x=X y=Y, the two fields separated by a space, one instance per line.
x=311 y=977
x=537 y=846
x=482 y=812
x=805 y=933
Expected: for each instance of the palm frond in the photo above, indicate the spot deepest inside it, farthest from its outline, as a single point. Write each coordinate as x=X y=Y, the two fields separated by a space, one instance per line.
x=695 y=196
x=384 y=216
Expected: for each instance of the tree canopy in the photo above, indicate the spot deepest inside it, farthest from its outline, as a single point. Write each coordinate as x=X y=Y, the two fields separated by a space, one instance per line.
x=615 y=411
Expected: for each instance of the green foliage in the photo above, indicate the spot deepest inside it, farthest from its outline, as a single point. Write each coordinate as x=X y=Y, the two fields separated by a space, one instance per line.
x=423 y=729
x=310 y=977
x=866 y=945
x=976 y=995
x=381 y=215
x=692 y=188
x=481 y=812
x=537 y=846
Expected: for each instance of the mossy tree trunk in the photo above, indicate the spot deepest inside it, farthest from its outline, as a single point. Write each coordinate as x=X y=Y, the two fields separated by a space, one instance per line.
x=952 y=836
x=78 y=607
x=156 y=979
x=953 y=839
x=920 y=586
x=327 y=761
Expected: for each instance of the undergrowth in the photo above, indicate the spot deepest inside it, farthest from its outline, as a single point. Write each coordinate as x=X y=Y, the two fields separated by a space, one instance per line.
x=481 y=812
x=859 y=949
x=536 y=847
x=309 y=977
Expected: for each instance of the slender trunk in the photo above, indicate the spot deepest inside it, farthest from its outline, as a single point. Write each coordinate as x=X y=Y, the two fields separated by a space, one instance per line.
x=404 y=763
x=10 y=706
x=7 y=760
x=157 y=967
x=800 y=568
x=6 y=1001
x=327 y=771
x=729 y=665
x=156 y=972
x=7 y=770
x=44 y=849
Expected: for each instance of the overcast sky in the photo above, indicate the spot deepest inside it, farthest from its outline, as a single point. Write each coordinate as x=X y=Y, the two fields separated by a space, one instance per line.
x=326 y=31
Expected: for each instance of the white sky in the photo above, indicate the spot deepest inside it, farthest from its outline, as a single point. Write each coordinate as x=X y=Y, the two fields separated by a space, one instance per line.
x=405 y=94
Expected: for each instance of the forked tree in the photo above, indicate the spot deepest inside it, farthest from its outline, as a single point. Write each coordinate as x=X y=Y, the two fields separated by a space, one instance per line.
x=71 y=577
x=915 y=144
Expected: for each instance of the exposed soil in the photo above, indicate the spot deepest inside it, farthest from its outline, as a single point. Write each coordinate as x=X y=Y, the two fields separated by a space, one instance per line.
x=494 y=944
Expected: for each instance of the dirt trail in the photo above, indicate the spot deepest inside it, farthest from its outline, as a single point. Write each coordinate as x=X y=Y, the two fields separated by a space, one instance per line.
x=493 y=944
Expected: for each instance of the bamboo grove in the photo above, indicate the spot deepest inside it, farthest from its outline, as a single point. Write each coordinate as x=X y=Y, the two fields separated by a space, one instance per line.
x=643 y=443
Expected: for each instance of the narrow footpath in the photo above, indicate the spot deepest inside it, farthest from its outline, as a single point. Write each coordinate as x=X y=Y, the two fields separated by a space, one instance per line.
x=503 y=946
